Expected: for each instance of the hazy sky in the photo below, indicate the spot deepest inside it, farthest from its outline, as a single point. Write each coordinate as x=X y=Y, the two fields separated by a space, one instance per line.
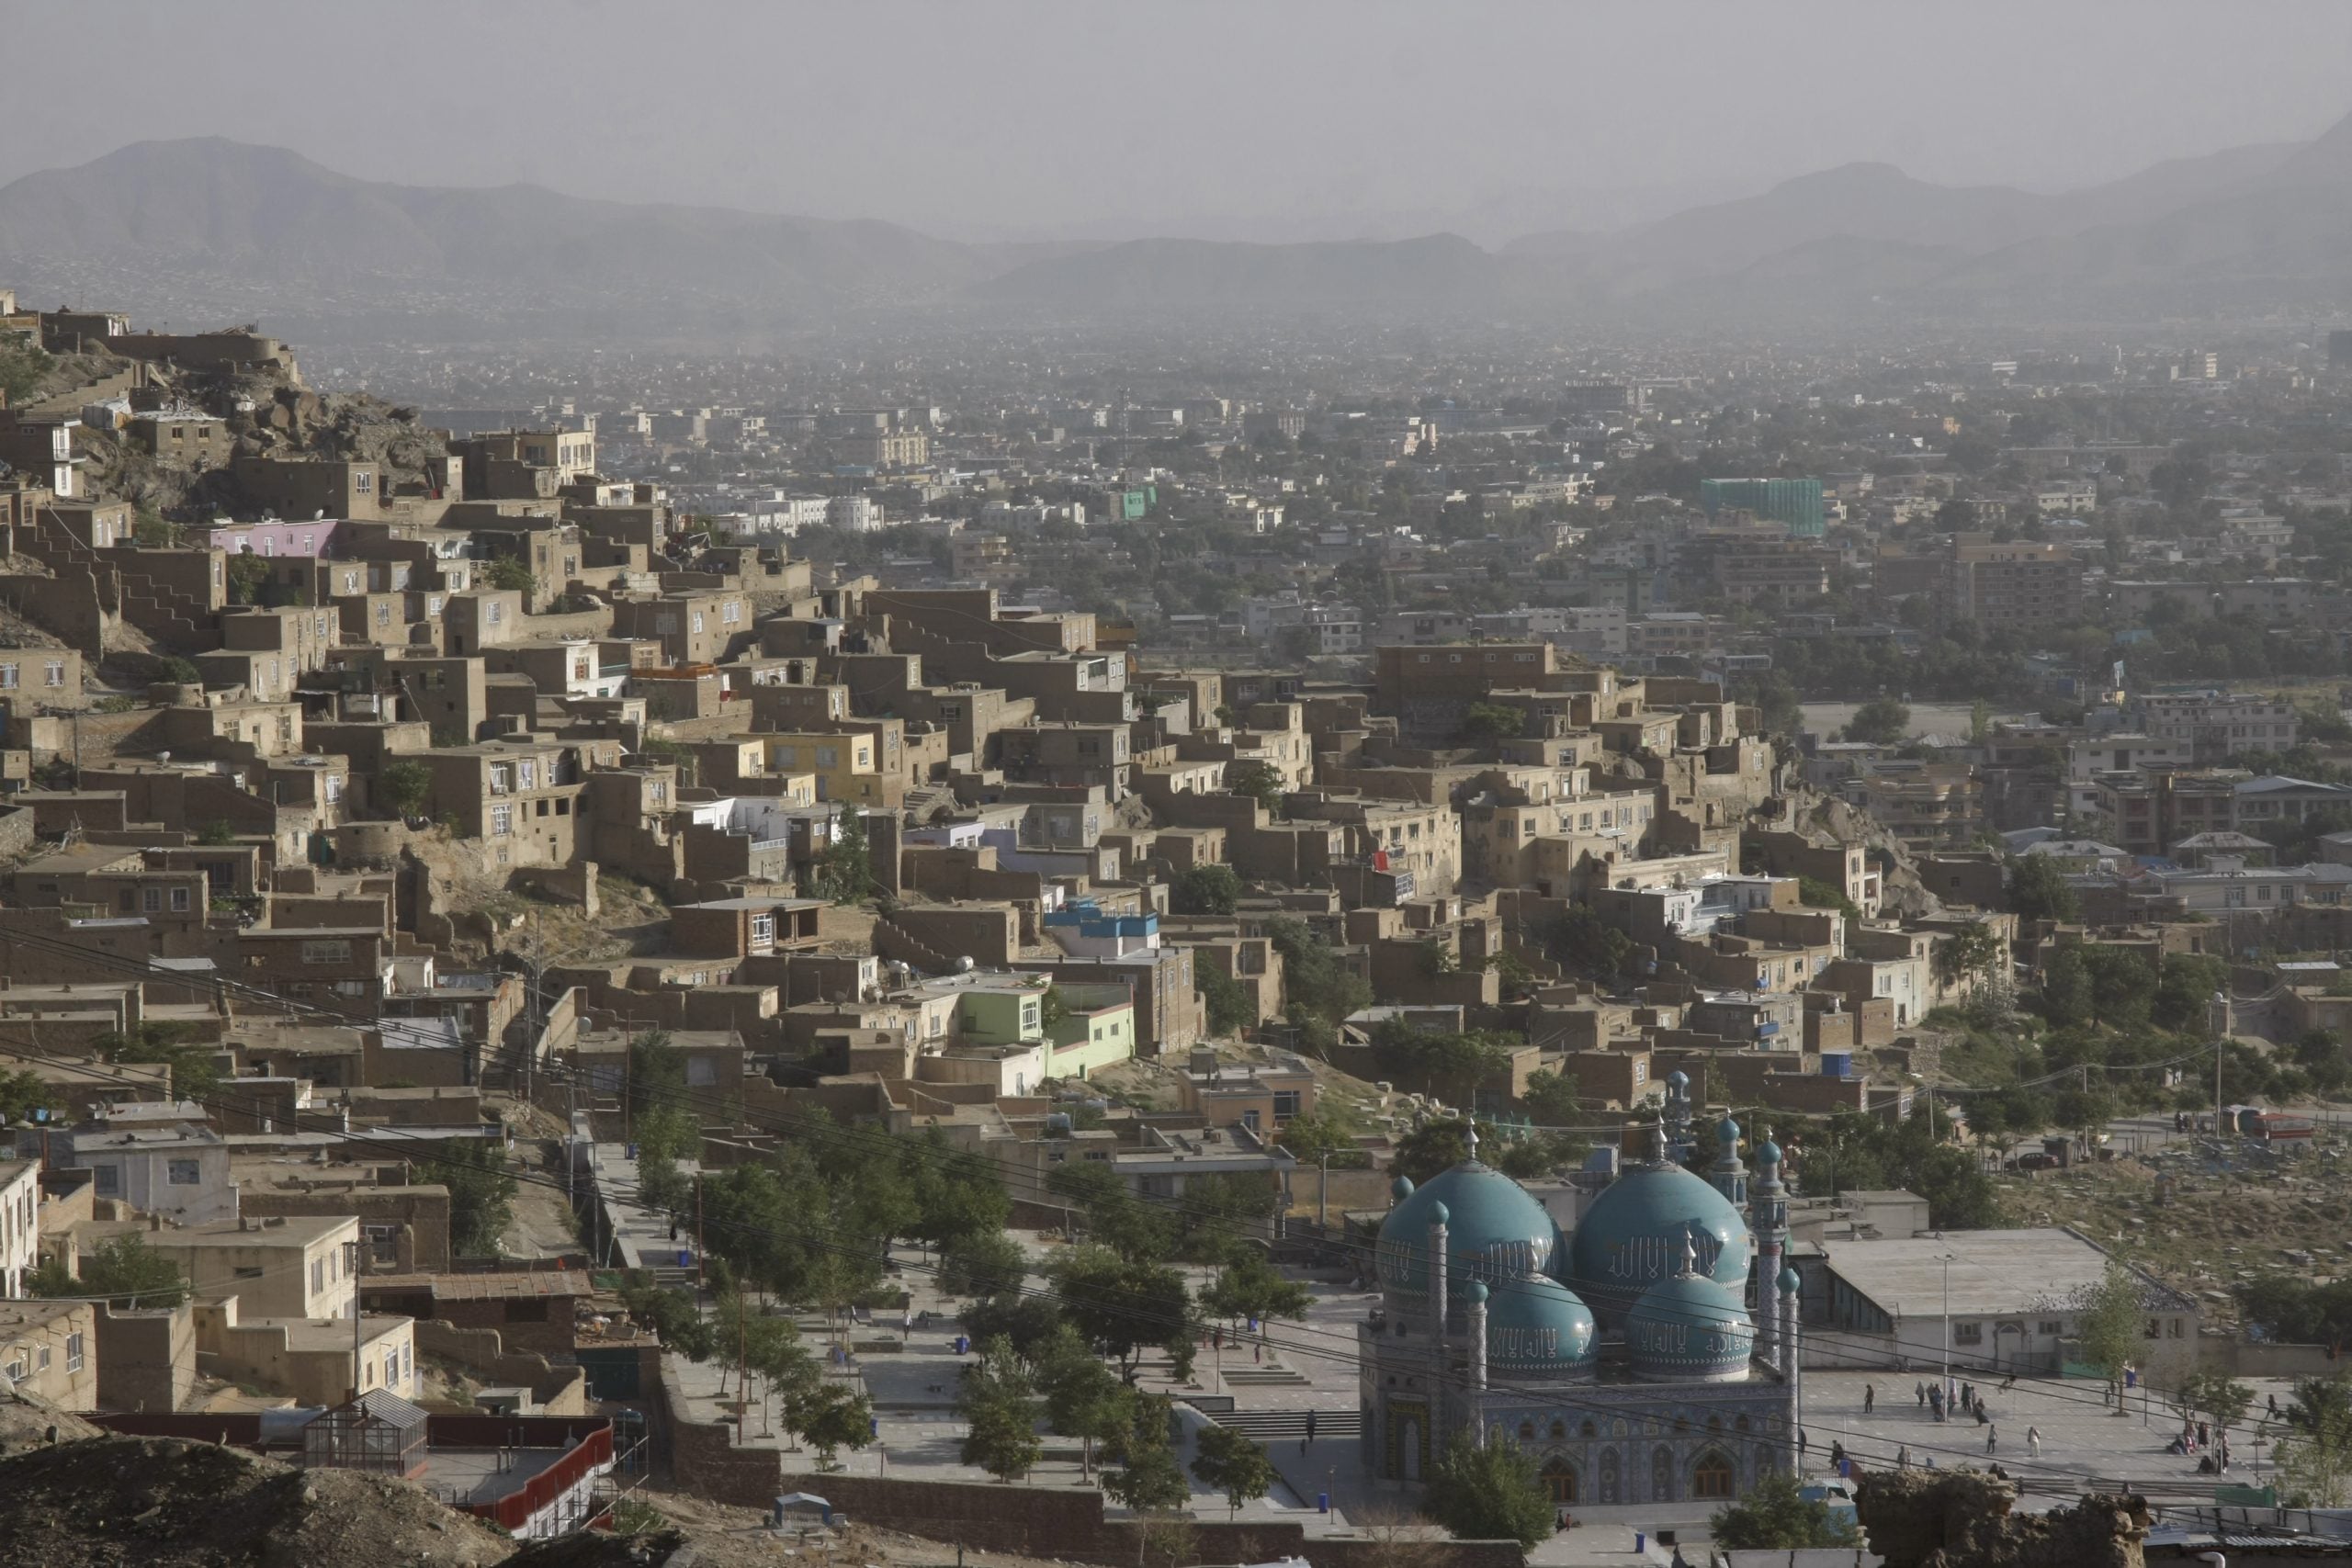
x=1114 y=116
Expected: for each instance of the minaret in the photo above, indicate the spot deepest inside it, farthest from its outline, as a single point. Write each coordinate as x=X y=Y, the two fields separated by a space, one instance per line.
x=1478 y=1343
x=1730 y=1177
x=1678 y=1117
x=1769 y=1218
x=1792 y=1383
x=1437 y=1218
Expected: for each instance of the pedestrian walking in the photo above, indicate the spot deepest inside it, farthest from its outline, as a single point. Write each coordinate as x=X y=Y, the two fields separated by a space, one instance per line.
x=1902 y=1457
x=1968 y=1396
x=1804 y=1443
x=2274 y=1408
x=1992 y=1438
x=1310 y=1426
x=1923 y=1397
x=1870 y=1397
x=1838 y=1456
x=2204 y=1434
x=2033 y=1441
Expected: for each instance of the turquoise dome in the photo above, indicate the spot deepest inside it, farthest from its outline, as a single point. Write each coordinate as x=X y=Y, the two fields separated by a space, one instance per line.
x=1494 y=1232
x=1687 y=1328
x=1727 y=1135
x=1537 y=1328
x=1632 y=1237
x=1768 y=1153
x=1790 y=1283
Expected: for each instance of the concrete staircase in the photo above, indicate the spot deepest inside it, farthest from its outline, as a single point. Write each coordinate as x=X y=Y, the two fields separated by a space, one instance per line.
x=1290 y=1425
x=156 y=608
x=894 y=942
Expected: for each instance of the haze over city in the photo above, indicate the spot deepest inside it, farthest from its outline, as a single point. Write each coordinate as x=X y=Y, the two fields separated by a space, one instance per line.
x=1310 y=785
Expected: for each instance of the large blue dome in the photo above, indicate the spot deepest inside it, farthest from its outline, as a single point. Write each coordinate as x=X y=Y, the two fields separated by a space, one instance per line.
x=1631 y=1237
x=1494 y=1232
x=1687 y=1328
x=1537 y=1328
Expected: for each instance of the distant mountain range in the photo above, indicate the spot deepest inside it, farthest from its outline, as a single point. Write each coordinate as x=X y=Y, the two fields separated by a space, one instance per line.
x=212 y=229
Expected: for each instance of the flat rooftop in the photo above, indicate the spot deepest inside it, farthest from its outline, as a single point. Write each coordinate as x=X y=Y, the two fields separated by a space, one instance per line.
x=482 y=1287
x=1992 y=1271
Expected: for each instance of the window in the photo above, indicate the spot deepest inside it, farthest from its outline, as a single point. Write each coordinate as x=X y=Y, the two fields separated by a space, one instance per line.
x=327 y=950
x=362 y=483
x=180 y=900
x=2050 y=1328
x=151 y=899
x=106 y=1181
x=18 y=1370
x=497 y=612
x=2154 y=1331
x=383 y=1246
x=1968 y=1334
x=7 y=677
x=732 y=612
x=1285 y=1103
x=502 y=820
x=762 y=927
x=1711 y=1476
x=53 y=672
x=73 y=1352
x=317 y=1275
x=501 y=779
x=697 y=622
x=182 y=1173
x=526 y=774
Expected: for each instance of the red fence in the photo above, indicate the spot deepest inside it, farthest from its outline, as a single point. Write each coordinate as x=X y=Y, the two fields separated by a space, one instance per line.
x=512 y=1511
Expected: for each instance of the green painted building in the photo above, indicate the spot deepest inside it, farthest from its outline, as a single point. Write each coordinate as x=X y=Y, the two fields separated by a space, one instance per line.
x=1796 y=502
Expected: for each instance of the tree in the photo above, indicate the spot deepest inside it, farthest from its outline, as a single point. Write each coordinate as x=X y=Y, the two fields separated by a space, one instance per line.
x=1226 y=1459
x=675 y=1319
x=511 y=574
x=23 y=366
x=1000 y=1405
x=1252 y=1287
x=404 y=787
x=1776 y=1516
x=1084 y=1399
x=1551 y=1097
x=2066 y=988
x=1259 y=782
x=1488 y=1494
x=836 y=1419
x=1881 y=720
x=23 y=1093
x=125 y=1270
x=2316 y=1455
x=2218 y=1394
x=2107 y=1324
x=1211 y=889
x=195 y=1074
x=1311 y=1134
x=1124 y=1307
x=1485 y=725
x=986 y=1264
x=481 y=1195
x=844 y=869
x=1433 y=1146
x=1228 y=1003
x=1147 y=1478
x=2039 y=890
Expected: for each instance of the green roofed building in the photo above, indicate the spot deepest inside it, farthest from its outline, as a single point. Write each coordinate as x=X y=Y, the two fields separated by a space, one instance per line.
x=1796 y=502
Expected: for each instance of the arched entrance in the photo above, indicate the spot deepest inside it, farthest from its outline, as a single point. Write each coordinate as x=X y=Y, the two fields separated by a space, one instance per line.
x=1713 y=1476
x=1559 y=1479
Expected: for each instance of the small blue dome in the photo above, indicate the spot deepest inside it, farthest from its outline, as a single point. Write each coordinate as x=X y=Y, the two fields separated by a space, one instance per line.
x=1678 y=1080
x=1494 y=1232
x=1632 y=1237
x=1768 y=1153
x=1401 y=1189
x=1477 y=1293
x=1537 y=1328
x=1687 y=1329
x=1727 y=1133
x=1790 y=1283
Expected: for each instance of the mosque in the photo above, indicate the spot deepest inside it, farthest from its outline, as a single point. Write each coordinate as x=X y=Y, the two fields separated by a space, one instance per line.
x=1625 y=1360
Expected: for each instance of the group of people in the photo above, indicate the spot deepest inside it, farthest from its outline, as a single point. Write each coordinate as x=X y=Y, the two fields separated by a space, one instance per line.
x=2199 y=1439
x=1931 y=1398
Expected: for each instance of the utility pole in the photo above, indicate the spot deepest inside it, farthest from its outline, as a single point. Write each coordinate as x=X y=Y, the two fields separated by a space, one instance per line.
x=358 y=1356
x=742 y=1357
x=702 y=1275
x=1323 y=1191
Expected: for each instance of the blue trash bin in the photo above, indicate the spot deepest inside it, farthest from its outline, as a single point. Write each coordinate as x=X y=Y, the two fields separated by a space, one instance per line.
x=1640 y=1541
x=963 y=1344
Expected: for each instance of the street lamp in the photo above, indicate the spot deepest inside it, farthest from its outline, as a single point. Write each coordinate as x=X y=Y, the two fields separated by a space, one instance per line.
x=1947 y=1261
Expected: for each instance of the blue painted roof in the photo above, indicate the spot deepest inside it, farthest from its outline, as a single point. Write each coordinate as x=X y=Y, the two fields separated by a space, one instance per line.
x=1536 y=1327
x=1631 y=1237
x=1688 y=1326
x=1495 y=1231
